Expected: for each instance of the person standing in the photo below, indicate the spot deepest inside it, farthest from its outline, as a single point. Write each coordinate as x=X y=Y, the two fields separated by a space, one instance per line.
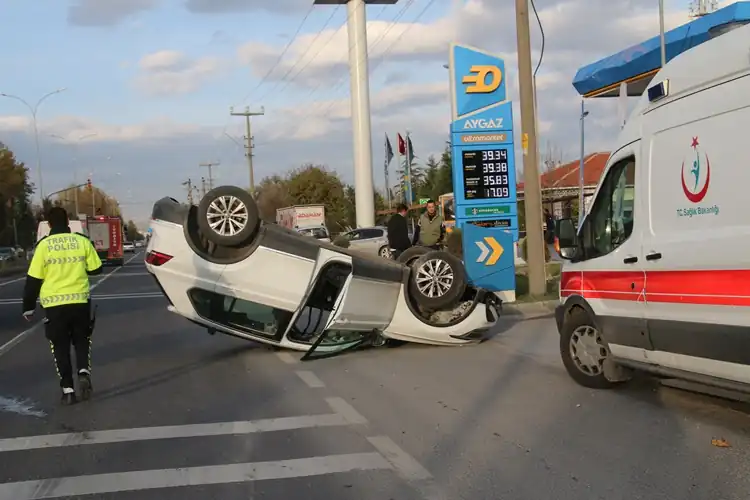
x=398 y=232
x=59 y=277
x=430 y=230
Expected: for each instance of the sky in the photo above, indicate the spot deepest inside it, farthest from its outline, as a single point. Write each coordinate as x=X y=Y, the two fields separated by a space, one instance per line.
x=149 y=83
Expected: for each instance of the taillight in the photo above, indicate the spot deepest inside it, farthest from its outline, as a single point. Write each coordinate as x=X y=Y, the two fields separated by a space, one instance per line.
x=557 y=244
x=157 y=258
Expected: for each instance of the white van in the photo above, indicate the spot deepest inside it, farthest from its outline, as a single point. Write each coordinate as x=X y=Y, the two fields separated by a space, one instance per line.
x=42 y=229
x=658 y=276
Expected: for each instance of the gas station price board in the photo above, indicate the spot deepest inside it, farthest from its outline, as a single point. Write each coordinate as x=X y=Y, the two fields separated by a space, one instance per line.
x=485 y=174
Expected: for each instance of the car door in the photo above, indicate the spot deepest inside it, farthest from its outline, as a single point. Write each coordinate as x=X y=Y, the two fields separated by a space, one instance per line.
x=609 y=274
x=364 y=307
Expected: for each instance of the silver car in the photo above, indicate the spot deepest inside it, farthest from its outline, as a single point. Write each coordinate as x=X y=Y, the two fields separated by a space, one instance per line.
x=370 y=240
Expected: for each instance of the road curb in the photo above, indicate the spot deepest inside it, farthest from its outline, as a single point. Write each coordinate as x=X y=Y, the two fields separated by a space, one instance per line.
x=528 y=310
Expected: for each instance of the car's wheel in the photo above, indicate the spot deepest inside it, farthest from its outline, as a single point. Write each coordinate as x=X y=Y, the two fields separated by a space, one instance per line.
x=437 y=280
x=410 y=255
x=228 y=216
x=385 y=252
x=583 y=351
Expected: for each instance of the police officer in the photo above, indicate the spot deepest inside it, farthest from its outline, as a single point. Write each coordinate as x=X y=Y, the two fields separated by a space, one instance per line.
x=430 y=231
x=59 y=277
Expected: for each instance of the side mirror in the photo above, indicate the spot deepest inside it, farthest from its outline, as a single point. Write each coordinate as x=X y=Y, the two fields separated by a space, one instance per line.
x=566 y=239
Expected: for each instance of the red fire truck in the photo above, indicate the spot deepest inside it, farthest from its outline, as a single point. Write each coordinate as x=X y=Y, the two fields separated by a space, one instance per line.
x=106 y=232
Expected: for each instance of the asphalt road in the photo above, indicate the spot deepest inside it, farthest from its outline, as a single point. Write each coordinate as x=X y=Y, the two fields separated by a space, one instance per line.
x=178 y=413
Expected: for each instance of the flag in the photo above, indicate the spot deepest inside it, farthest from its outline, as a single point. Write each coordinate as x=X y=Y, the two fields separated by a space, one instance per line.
x=410 y=150
x=388 y=151
x=401 y=145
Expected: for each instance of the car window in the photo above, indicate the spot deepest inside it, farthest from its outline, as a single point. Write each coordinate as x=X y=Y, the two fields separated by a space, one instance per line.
x=354 y=235
x=448 y=213
x=240 y=314
x=371 y=233
x=610 y=222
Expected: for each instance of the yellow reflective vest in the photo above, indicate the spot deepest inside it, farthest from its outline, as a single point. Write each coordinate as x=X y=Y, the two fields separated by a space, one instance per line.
x=62 y=261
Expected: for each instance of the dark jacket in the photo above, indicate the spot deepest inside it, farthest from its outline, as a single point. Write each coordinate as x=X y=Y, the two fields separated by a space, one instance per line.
x=398 y=233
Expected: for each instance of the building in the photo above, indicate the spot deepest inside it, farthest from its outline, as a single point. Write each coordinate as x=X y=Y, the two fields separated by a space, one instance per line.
x=560 y=185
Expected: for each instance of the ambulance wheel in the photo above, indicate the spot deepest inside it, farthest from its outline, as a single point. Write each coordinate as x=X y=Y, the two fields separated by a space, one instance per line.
x=228 y=216
x=583 y=351
x=410 y=255
x=437 y=280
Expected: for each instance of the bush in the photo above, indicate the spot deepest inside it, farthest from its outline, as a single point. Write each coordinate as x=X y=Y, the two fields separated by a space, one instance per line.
x=341 y=241
x=522 y=246
x=454 y=243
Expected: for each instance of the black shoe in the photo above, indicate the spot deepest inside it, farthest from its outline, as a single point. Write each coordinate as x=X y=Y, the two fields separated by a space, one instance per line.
x=68 y=398
x=85 y=387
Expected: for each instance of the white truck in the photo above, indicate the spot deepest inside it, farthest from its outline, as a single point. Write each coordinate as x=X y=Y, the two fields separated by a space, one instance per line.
x=309 y=220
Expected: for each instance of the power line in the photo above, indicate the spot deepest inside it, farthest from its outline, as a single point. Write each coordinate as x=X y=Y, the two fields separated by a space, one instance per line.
x=342 y=79
x=281 y=56
x=310 y=46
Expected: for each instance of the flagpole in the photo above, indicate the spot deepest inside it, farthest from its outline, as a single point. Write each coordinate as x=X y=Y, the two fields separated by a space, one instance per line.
x=407 y=170
x=388 y=154
x=398 y=162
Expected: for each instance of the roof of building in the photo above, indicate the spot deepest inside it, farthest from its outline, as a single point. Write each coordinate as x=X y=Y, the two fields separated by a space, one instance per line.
x=566 y=176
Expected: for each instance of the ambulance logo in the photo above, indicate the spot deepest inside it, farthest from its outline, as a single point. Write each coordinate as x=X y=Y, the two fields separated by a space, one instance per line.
x=691 y=178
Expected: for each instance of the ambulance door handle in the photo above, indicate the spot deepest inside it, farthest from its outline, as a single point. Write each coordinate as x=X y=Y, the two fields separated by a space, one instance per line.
x=630 y=260
x=653 y=256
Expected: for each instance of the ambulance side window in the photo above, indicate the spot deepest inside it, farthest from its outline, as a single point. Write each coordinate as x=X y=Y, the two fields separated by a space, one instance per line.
x=610 y=222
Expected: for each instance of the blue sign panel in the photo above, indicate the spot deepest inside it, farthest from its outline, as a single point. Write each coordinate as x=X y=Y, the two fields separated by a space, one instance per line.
x=484 y=167
x=489 y=258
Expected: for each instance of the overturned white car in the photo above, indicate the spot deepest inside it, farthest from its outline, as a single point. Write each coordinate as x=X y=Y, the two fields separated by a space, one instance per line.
x=222 y=267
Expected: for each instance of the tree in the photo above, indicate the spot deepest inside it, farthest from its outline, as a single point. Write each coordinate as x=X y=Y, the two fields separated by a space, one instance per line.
x=272 y=194
x=417 y=179
x=17 y=226
x=92 y=202
x=131 y=230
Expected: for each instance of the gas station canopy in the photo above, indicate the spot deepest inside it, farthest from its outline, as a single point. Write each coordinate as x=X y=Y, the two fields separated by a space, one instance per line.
x=638 y=64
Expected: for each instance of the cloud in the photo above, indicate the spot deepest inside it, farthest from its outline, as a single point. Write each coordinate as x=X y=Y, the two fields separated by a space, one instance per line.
x=223 y=6
x=106 y=12
x=169 y=72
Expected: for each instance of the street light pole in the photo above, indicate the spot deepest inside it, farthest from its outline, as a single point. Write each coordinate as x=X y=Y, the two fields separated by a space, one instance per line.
x=581 y=204
x=661 y=34
x=34 y=110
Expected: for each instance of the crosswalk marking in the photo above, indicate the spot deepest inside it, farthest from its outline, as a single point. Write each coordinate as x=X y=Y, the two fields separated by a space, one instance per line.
x=191 y=476
x=175 y=431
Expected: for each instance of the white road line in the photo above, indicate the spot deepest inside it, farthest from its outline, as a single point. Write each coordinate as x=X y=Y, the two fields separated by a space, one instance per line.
x=341 y=407
x=12 y=281
x=173 y=431
x=404 y=464
x=287 y=358
x=18 y=338
x=310 y=379
x=98 y=484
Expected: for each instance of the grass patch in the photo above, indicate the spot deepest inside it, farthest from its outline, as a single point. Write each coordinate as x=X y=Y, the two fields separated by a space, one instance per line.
x=553 y=284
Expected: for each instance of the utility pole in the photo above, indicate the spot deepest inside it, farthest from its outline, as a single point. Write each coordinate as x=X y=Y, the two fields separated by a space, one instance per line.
x=203 y=187
x=210 y=165
x=249 y=140
x=532 y=193
x=189 y=184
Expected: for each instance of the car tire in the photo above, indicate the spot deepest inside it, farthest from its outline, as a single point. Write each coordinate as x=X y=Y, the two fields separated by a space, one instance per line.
x=437 y=280
x=410 y=255
x=238 y=210
x=578 y=333
x=384 y=252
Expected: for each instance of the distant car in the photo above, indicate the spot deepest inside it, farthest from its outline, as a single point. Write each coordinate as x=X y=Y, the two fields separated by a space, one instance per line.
x=7 y=254
x=223 y=268
x=128 y=247
x=370 y=239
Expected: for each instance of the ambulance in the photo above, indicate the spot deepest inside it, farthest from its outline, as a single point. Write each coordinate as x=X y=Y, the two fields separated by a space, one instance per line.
x=657 y=277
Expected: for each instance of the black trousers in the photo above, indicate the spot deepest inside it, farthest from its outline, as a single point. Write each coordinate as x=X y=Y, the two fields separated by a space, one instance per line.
x=66 y=325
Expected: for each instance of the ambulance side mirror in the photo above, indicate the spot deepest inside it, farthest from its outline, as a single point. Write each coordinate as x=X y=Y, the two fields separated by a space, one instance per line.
x=566 y=240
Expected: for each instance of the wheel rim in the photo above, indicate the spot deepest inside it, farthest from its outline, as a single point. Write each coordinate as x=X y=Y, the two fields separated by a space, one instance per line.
x=227 y=215
x=385 y=252
x=587 y=350
x=434 y=278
